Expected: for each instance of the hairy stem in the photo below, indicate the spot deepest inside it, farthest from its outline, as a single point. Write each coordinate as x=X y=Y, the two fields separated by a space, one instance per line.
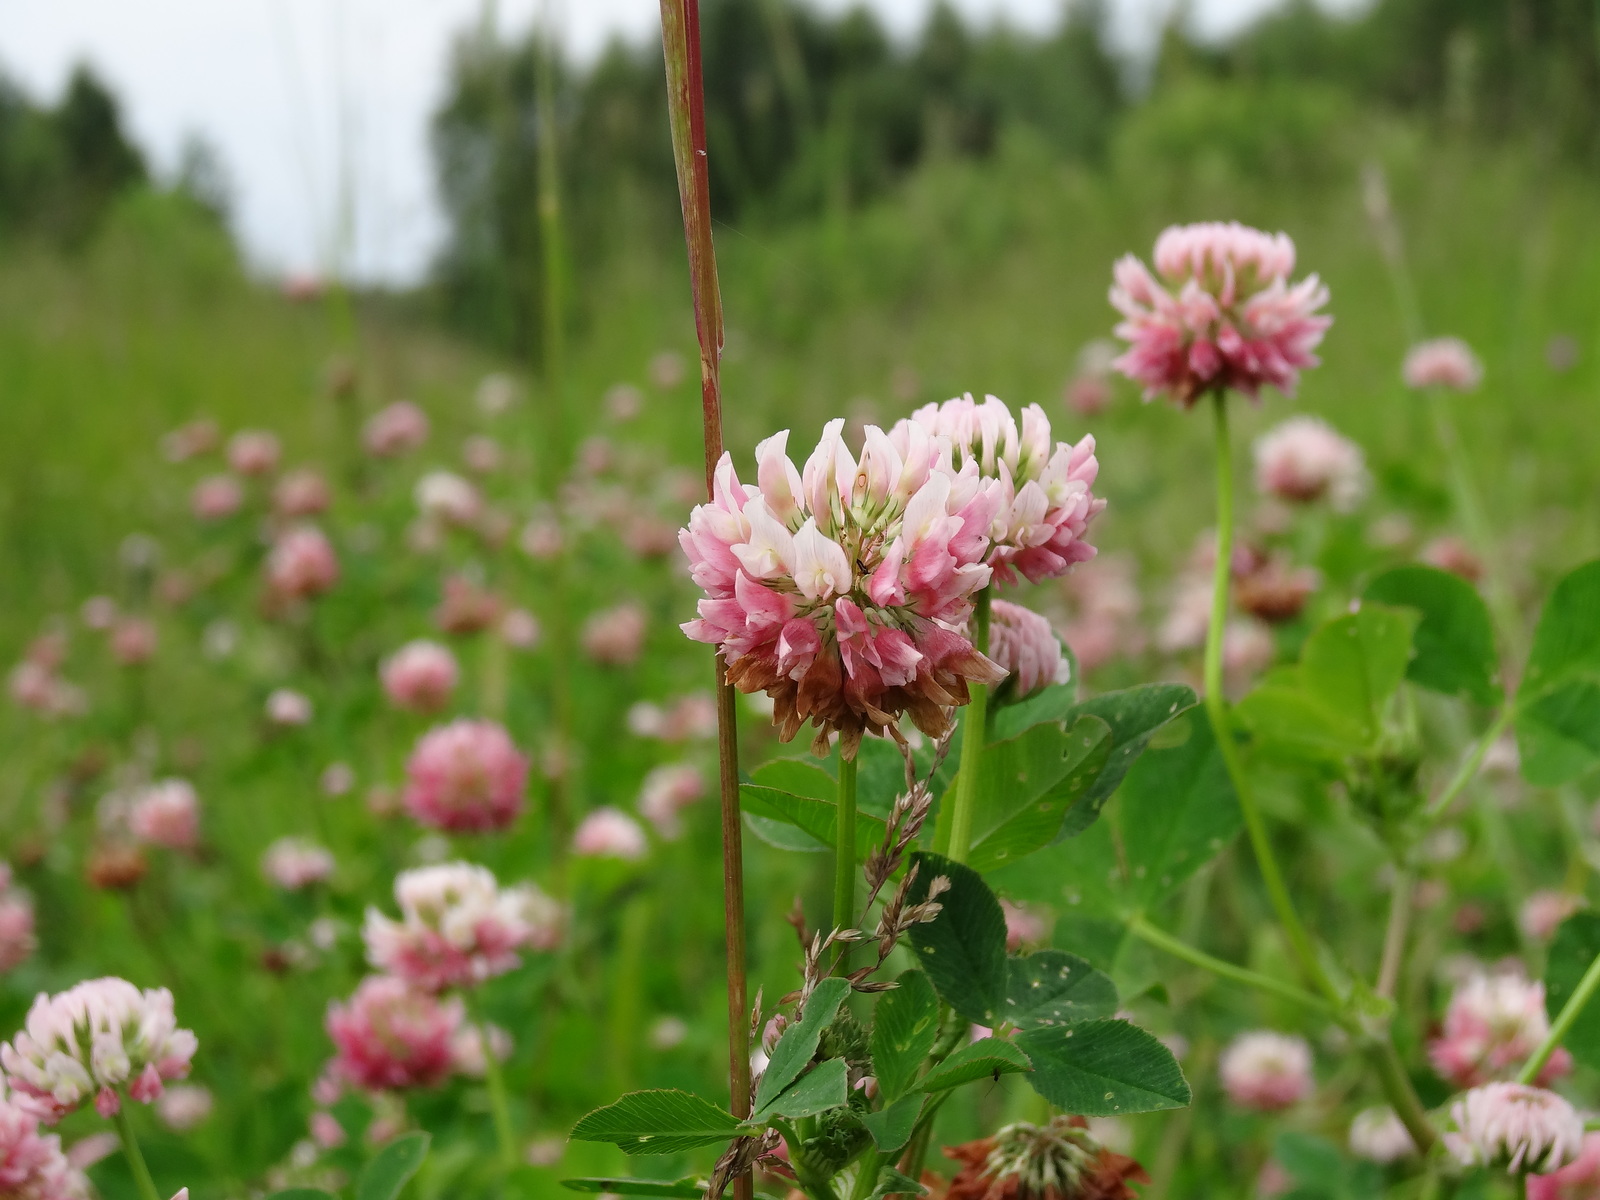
x=974 y=736
x=1570 y=1012
x=130 y=1150
x=844 y=849
x=686 y=107
x=1161 y=940
x=1300 y=943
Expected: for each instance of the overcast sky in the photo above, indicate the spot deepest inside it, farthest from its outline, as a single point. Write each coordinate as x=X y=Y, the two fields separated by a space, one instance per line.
x=279 y=85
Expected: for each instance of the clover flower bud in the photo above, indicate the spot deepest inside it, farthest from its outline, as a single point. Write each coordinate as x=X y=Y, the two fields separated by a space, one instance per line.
x=1025 y=646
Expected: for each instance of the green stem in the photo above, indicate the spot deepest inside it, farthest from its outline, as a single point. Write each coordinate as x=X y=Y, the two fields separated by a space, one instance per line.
x=1162 y=940
x=1394 y=936
x=1402 y=1096
x=494 y=1079
x=1217 y=710
x=1469 y=768
x=130 y=1150
x=1570 y=1011
x=844 y=848
x=867 y=1174
x=974 y=735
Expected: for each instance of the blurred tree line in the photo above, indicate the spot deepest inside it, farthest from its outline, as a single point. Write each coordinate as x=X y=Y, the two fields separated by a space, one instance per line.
x=811 y=113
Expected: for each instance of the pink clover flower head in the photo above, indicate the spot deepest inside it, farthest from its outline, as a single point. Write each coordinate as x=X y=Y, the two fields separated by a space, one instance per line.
x=302 y=564
x=520 y=629
x=615 y=636
x=293 y=863
x=610 y=833
x=1042 y=490
x=285 y=706
x=445 y=496
x=1445 y=362
x=32 y=1166
x=1304 y=460
x=17 y=941
x=1266 y=1071
x=1025 y=646
x=1578 y=1180
x=1543 y=912
x=1514 y=1127
x=303 y=492
x=94 y=1042
x=166 y=813
x=840 y=592
x=1493 y=1023
x=1024 y=926
x=254 y=452
x=133 y=641
x=420 y=676
x=458 y=927
x=1379 y=1136
x=666 y=792
x=216 y=497
x=389 y=1035
x=466 y=777
x=185 y=1106
x=395 y=430
x=1219 y=312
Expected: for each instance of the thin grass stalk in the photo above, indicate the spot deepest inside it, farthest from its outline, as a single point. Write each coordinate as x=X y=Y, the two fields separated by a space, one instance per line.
x=680 y=36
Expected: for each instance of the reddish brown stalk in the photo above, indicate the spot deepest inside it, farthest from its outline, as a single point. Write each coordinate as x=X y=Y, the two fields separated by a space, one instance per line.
x=680 y=36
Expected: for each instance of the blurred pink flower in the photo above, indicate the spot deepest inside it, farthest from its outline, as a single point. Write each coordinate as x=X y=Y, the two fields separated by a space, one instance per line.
x=293 y=863
x=216 y=497
x=198 y=437
x=337 y=779
x=98 y=613
x=285 y=706
x=1042 y=490
x=1106 y=605
x=1578 y=1180
x=1543 y=912
x=541 y=538
x=1024 y=926
x=133 y=641
x=689 y=717
x=666 y=792
x=520 y=628
x=466 y=607
x=1024 y=645
x=1492 y=1024
x=17 y=941
x=1222 y=313
x=649 y=536
x=623 y=401
x=481 y=455
x=1450 y=553
x=496 y=393
x=32 y=1166
x=610 y=833
x=420 y=676
x=302 y=564
x=167 y=814
x=445 y=496
x=666 y=370
x=94 y=1148
x=389 y=1035
x=254 y=452
x=394 y=430
x=35 y=686
x=839 y=592
x=1266 y=1071
x=1379 y=1136
x=458 y=927
x=466 y=777
x=1272 y=590
x=185 y=1106
x=615 y=636
x=1442 y=362
x=64 y=1058
x=326 y=1131
x=303 y=492
x=1514 y=1127
x=1088 y=395
x=1303 y=459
